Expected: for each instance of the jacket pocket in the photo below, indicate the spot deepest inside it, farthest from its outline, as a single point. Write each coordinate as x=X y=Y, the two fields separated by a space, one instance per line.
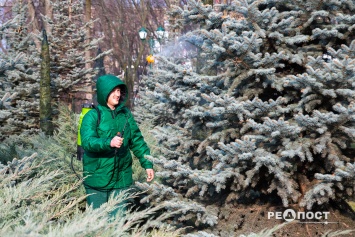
x=107 y=132
x=98 y=164
x=125 y=161
x=90 y=165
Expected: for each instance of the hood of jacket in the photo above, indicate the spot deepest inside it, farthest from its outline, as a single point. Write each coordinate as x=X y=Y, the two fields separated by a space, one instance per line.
x=105 y=84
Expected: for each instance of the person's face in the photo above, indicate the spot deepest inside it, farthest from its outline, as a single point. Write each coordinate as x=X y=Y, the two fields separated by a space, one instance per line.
x=114 y=97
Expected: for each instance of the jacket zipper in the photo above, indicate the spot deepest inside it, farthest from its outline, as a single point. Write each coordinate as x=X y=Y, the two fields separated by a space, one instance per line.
x=113 y=114
x=113 y=117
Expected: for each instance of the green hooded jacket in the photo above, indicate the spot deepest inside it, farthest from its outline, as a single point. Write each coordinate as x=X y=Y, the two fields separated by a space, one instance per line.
x=105 y=167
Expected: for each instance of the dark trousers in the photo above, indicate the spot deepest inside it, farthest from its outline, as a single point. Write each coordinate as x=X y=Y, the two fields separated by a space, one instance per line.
x=97 y=198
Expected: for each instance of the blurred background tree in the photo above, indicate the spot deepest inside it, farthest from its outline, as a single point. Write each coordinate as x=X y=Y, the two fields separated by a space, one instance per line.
x=115 y=23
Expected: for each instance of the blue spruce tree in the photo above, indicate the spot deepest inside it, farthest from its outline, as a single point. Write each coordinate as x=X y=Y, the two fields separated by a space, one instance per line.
x=269 y=115
x=67 y=40
x=19 y=77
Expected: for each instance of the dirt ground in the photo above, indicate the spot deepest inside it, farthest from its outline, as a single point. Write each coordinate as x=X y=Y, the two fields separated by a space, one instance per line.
x=235 y=220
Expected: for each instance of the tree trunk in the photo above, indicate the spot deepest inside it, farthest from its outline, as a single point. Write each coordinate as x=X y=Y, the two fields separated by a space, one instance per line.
x=34 y=24
x=130 y=76
x=70 y=10
x=48 y=11
x=208 y=2
x=45 y=113
x=99 y=65
x=88 y=32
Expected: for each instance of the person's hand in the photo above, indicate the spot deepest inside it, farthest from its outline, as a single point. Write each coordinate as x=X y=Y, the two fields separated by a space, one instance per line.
x=150 y=174
x=116 y=142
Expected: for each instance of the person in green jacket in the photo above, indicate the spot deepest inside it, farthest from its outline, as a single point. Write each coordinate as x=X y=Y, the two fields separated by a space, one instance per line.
x=107 y=161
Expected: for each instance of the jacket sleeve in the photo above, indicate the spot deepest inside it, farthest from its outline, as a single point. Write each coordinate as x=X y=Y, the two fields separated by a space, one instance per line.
x=90 y=140
x=137 y=144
